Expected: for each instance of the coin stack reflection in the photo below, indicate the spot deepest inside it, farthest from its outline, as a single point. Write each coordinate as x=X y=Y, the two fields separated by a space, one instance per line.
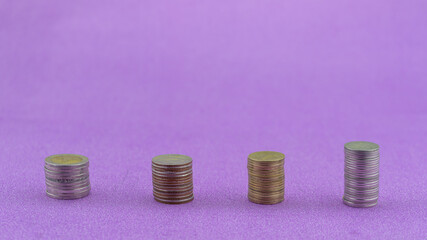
x=266 y=177
x=172 y=178
x=361 y=174
x=67 y=176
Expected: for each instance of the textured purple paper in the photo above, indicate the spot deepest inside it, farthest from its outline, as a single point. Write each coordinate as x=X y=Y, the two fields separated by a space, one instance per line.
x=123 y=81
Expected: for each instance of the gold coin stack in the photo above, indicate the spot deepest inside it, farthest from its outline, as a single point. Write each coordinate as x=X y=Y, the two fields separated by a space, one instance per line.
x=67 y=176
x=266 y=177
x=172 y=178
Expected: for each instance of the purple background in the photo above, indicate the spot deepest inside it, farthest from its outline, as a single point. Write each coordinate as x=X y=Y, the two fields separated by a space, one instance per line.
x=123 y=81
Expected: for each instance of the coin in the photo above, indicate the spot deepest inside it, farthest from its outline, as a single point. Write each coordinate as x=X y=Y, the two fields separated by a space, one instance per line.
x=67 y=176
x=361 y=174
x=266 y=177
x=361 y=147
x=66 y=160
x=171 y=160
x=266 y=156
x=172 y=176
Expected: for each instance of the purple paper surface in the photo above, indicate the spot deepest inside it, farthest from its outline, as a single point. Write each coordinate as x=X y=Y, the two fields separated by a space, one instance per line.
x=123 y=81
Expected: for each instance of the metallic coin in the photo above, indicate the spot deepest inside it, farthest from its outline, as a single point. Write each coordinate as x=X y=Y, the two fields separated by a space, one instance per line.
x=173 y=193
x=172 y=160
x=180 y=201
x=73 y=189
x=266 y=156
x=172 y=189
x=266 y=195
x=67 y=185
x=66 y=160
x=68 y=191
x=68 y=196
x=73 y=170
x=176 y=174
x=171 y=197
x=362 y=191
x=359 y=204
x=267 y=200
x=62 y=175
x=65 y=192
x=172 y=177
x=266 y=177
x=361 y=185
x=361 y=174
x=172 y=168
x=361 y=146
x=267 y=187
x=57 y=167
x=67 y=176
x=173 y=184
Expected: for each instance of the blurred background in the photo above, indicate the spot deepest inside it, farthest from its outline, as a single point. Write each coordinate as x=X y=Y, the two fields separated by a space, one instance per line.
x=123 y=81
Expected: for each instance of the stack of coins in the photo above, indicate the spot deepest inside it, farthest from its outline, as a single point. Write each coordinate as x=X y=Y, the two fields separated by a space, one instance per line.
x=67 y=176
x=266 y=177
x=172 y=178
x=361 y=174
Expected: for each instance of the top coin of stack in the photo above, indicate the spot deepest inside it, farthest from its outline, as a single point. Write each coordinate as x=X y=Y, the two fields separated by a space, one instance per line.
x=172 y=178
x=67 y=176
x=361 y=174
x=266 y=177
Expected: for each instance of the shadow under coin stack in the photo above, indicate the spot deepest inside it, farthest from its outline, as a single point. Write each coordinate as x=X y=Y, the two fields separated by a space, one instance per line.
x=266 y=177
x=67 y=176
x=172 y=178
x=361 y=174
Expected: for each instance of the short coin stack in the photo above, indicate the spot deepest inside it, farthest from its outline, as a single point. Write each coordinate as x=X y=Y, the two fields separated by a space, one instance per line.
x=361 y=174
x=172 y=178
x=266 y=177
x=67 y=176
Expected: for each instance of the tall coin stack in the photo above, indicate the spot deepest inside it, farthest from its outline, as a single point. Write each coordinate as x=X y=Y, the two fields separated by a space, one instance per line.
x=172 y=178
x=361 y=174
x=266 y=177
x=67 y=176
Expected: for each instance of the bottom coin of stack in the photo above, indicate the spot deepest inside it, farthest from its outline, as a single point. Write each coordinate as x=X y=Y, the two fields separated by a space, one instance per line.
x=67 y=176
x=361 y=174
x=172 y=178
x=266 y=177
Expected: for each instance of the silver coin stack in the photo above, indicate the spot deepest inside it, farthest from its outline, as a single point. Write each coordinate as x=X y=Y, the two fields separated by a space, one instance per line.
x=361 y=174
x=67 y=176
